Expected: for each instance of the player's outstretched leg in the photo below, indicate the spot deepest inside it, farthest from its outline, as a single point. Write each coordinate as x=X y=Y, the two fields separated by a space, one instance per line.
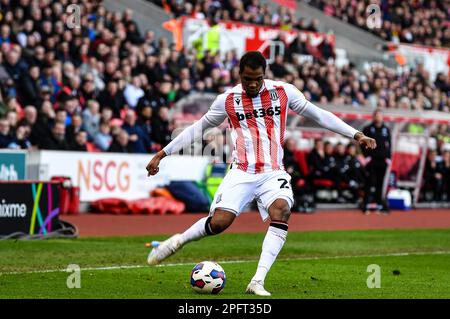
x=206 y=226
x=273 y=242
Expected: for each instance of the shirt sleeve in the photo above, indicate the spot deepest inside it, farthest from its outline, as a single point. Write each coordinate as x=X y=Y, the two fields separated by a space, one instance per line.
x=326 y=119
x=214 y=117
x=297 y=101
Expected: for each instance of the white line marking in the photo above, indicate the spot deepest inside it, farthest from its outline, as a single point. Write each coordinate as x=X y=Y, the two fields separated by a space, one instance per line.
x=401 y=254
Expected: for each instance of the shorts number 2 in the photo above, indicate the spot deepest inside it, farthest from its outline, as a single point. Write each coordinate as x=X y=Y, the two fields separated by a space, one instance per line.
x=284 y=184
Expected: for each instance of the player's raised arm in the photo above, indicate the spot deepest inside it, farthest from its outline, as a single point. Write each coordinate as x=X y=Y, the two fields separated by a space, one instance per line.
x=299 y=104
x=212 y=118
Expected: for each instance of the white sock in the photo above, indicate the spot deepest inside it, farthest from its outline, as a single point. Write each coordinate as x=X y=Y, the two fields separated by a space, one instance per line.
x=273 y=242
x=195 y=232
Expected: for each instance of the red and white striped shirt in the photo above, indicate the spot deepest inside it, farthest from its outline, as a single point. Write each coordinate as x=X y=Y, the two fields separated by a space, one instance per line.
x=259 y=124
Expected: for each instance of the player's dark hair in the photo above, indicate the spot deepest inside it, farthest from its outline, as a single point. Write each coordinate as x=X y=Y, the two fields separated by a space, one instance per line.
x=253 y=60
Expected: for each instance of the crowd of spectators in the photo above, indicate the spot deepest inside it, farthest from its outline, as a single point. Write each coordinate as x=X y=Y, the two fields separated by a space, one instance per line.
x=103 y=86
x=376 y=86
x=424 y=22
x=246 y=11
x=321 y=80
x=106 y=86
x=436 y=180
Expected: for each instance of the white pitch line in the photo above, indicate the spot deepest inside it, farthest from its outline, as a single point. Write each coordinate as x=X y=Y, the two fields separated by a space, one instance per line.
x=401 y=254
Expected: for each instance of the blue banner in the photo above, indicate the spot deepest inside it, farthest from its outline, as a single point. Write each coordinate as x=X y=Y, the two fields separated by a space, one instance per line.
x=12 y=165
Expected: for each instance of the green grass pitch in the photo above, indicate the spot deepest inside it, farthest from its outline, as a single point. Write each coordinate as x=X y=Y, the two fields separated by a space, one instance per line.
x=414 y=264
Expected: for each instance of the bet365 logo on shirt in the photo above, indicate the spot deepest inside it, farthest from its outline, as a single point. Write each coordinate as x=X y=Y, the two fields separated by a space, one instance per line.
x=262 y=112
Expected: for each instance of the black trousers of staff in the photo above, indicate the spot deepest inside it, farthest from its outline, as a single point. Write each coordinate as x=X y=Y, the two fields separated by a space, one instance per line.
x=375 y=170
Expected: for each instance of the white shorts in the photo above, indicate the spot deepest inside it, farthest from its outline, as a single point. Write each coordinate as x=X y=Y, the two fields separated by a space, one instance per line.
x=239 y=188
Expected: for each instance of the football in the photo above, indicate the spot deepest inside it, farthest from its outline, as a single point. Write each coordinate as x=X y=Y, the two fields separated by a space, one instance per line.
x=208 y=277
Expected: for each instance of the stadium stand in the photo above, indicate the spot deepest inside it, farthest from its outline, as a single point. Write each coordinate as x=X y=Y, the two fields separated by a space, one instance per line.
x=419 y=22
x=253 y=12
x=111 y=86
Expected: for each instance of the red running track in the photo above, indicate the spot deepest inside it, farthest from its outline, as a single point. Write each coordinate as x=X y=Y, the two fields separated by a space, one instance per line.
x=127 y=225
